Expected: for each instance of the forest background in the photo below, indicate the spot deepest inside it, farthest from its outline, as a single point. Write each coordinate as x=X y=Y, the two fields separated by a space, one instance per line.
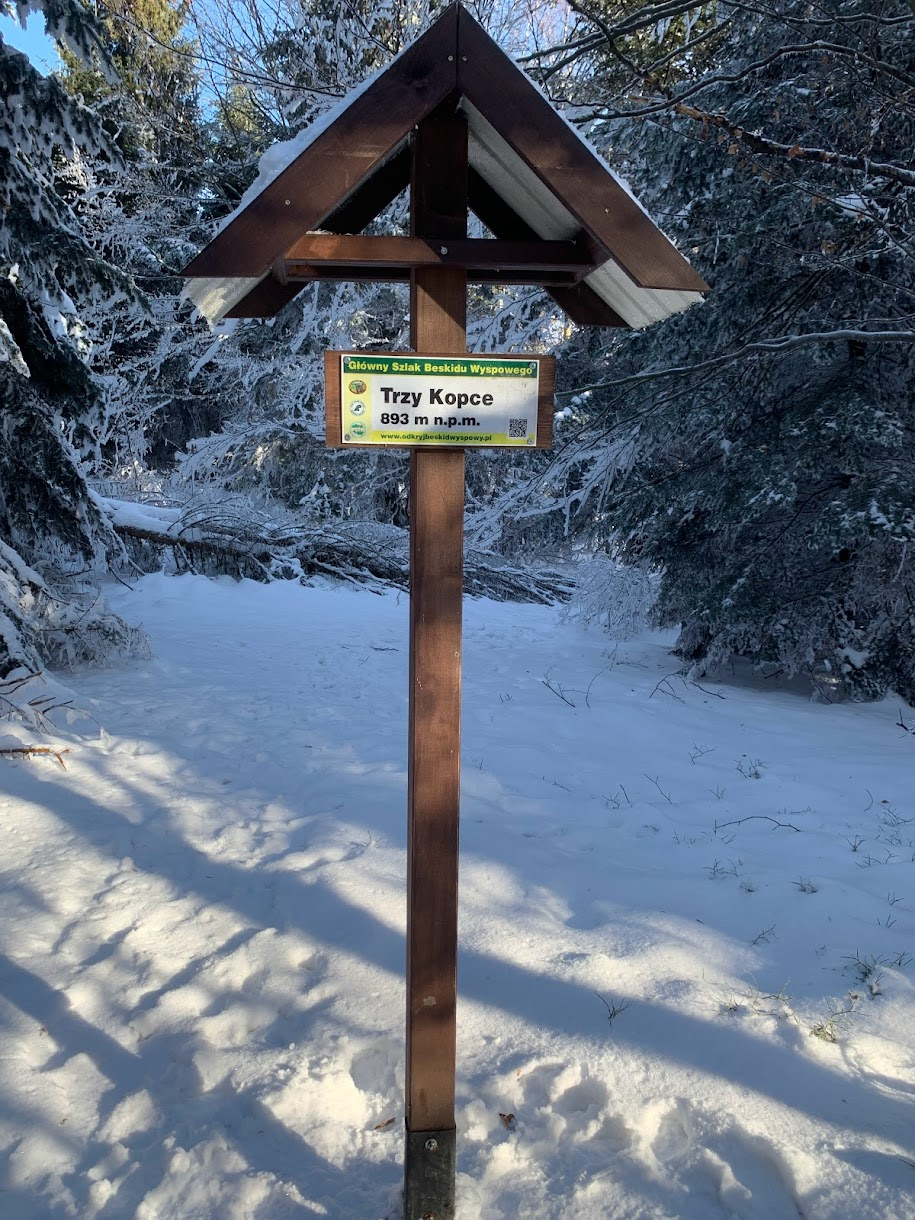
x=745 y=471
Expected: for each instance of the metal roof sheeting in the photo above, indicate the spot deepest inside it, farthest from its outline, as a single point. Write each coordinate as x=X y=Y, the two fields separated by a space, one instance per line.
x=214 y=297
x=510 y=177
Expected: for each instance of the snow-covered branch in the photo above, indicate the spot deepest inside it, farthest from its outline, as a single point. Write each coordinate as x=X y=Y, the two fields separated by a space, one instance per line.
x=763 y=347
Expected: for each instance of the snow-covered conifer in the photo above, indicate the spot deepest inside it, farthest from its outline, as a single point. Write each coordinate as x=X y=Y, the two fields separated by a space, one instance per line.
x=51 y=530
x=757 y=451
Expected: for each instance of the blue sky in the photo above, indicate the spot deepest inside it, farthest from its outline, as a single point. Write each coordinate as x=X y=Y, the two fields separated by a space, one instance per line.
x=33 y=40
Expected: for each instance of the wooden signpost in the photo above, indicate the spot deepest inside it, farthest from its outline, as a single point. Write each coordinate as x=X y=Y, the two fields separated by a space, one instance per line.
x=453 y=397
x=459 y=123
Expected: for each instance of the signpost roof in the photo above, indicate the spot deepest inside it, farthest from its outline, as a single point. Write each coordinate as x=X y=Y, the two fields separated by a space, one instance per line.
x=532 y=179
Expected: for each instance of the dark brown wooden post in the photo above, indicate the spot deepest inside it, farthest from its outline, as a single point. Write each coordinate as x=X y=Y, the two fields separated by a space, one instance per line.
x=438 y=311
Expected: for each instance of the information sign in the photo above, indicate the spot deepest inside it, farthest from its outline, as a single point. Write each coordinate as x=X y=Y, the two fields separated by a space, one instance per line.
x=419 y=400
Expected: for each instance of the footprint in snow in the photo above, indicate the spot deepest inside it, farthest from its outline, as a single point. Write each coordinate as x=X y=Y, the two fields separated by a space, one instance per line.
x=702 y=1155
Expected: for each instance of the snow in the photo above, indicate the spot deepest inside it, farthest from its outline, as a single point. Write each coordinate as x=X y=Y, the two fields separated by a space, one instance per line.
x=127 y=514
x=203 y=914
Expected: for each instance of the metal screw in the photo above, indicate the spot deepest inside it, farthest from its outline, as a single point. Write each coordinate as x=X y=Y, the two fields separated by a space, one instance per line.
x=431 y=1146
x=429 y=1216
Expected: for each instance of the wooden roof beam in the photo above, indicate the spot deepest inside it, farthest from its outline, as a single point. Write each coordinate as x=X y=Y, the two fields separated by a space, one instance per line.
x=345 y=250
x=359 y=210
x=294 y=273
x=581 y=303
x=528 y=124
x=340 y=160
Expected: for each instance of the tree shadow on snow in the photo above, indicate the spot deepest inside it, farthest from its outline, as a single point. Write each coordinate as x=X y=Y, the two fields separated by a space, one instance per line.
x=163 y=1068
x=163 y=1064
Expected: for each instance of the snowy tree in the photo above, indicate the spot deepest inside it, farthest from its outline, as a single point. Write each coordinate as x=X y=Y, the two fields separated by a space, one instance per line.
x=52 y=533
x=152 y=106
x=283 y=67
x=758 y=450
x=146 y=214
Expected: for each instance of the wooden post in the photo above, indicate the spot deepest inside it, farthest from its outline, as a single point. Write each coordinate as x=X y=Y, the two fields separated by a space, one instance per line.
x=438 y=312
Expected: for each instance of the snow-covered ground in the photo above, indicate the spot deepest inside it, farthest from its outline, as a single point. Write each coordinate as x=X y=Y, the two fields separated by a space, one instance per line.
x=203 y=914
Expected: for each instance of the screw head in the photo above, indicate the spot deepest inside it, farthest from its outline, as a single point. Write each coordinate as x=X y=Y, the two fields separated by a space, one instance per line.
x=429 y=1216
x=431 y=1146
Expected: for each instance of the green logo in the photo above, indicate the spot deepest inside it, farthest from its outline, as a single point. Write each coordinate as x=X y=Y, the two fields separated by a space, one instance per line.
x=357 y=429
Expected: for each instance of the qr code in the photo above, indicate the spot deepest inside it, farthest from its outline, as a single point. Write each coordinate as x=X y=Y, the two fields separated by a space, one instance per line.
x=517 y=427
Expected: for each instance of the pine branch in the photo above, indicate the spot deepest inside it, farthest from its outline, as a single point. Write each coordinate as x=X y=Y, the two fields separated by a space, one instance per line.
x=642 y=19
x=757 y=143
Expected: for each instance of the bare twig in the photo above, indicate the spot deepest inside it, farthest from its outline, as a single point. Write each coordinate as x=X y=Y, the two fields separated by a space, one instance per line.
x=716 y=693
x=665 y=688
x=593 y=680
x=614 y=1009
x=699 y=751
x=557 y=690
x=757 y=817
x=659 y=788
x=31 y=751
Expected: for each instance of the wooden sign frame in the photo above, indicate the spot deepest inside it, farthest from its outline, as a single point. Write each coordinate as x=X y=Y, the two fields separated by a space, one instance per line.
x=333 y=399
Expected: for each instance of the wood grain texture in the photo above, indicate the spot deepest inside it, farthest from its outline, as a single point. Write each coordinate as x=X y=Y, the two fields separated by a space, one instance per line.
x=295 y=274
x=546 y=402
x=530 y=125
x=436 y=586
x=438 y=299
x=355 y=250
x=333 y=401
x=372 y=197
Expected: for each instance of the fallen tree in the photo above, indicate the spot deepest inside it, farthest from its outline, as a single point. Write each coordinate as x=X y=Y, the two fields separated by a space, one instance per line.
x=230 y=539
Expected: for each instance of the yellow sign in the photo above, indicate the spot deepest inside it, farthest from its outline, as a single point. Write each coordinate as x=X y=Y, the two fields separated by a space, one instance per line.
x=438 y=400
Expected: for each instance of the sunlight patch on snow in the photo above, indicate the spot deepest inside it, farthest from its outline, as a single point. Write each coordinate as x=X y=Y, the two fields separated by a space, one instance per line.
x=205 y=912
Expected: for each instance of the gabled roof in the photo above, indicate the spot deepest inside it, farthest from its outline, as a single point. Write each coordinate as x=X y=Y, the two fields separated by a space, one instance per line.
x=531 y=177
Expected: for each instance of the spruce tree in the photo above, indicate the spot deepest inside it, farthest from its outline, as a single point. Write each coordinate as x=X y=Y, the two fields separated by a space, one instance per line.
x=757 y=451
x=270 y=374
x=51 y=529
x=147 y=213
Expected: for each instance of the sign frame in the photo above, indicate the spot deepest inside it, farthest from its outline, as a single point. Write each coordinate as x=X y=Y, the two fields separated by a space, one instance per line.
x=333 y=399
